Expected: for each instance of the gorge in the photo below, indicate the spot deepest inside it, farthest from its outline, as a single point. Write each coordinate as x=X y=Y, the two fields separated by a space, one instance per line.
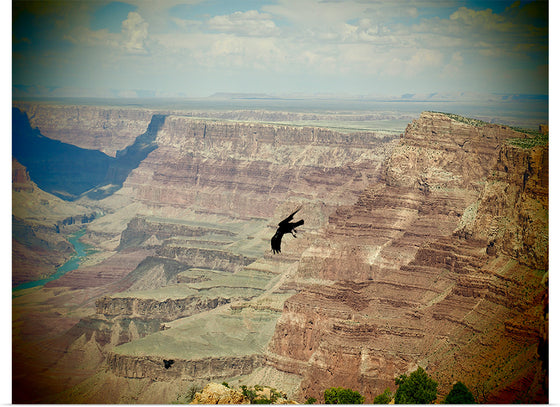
x=427 y=248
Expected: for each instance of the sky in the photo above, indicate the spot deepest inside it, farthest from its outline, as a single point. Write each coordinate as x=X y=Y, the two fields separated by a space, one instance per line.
x=197 y=48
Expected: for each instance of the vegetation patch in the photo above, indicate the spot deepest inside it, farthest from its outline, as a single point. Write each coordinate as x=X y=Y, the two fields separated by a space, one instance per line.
x=537 y=139
x=466 y=120
x=339 y=395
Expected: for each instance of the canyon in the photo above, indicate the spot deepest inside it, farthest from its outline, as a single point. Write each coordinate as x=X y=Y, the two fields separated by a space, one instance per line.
x=427 y=248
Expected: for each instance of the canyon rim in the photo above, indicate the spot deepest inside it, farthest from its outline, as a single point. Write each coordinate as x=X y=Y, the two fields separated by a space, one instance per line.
x=426 y=247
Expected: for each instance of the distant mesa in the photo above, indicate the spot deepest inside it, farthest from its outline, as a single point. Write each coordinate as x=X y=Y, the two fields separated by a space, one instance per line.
x=231 y=96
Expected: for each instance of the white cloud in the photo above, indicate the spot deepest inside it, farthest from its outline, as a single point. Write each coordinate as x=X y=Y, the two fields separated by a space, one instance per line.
x=132 y=39
x=394 y=43
x=454 y=67
x=482 y=19
x=251 y=23
x=135 y=33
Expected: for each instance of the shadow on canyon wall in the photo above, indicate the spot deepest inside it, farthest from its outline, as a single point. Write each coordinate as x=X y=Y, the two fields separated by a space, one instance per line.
x=68 y=171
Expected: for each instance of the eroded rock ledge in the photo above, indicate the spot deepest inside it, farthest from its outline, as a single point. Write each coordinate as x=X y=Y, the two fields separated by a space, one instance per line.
x=206 y=369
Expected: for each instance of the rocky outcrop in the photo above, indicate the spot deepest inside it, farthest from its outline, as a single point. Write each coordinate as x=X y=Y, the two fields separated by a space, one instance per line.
x=211 y=368
x=442 y=151
x=407 y=290
x=20 y=178
x=140 y=229
x=512 y=211
x=206 y=258
x=167 y=309
x=111 y=332
x=214 y=393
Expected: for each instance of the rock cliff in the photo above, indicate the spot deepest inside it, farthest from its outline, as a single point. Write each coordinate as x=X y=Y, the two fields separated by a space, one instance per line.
x=414 y=284
x=255 y=166
x=512 y=210
x=104 y=128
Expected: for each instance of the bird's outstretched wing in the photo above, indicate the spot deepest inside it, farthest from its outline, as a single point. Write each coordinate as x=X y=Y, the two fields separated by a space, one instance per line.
x=289 y=218
x=275 y=242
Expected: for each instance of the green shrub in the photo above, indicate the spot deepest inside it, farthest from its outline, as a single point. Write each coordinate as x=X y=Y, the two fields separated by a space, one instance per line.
x=459 y=394
x=384 y=398
x=255 y=398
x=339 y=395
x=418 y=388
x=248 y=393
x=310 y=400
x=530 y=142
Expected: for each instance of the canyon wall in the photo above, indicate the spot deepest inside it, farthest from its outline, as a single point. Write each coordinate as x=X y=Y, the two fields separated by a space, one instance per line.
x=425 y=251
x=38 y=247
x=255 y=166
x=104 y=128
x=422 y=280
x=187 y=235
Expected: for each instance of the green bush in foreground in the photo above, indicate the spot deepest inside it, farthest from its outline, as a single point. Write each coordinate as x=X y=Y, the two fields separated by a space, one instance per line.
x=384 y=398
x=418 y=388
x=339 y=395
x=459 y=394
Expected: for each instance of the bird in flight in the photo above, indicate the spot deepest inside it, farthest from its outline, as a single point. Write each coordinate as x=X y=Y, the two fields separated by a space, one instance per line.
x=284 y=227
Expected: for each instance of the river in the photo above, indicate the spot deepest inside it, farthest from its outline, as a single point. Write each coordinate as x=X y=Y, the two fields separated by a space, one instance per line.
x=81 y=250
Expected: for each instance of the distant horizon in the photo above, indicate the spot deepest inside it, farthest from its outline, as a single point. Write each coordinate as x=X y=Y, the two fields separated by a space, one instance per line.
x=19 y=92
x=527 y=111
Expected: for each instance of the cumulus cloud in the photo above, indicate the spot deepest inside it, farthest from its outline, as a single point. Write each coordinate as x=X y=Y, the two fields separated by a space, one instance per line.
x=135 y=33
x=482 y=19
x=251 y=23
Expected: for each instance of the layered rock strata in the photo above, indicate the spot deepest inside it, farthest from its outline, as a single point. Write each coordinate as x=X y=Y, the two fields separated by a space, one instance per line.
x=212 y=368
x=400 y=264
x=178 y=244
x=408 y=291
x=255 y=166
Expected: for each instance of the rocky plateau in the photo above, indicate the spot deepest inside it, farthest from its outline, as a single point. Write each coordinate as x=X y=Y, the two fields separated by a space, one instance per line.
x=425 y=249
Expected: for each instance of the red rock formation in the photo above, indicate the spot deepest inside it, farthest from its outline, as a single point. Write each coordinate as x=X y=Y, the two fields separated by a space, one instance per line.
x=512 y=212
x=247 y=170
x=408 y=291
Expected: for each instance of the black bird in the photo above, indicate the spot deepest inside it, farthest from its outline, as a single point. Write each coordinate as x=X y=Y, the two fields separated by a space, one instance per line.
x=284 y=227
x=168 y=363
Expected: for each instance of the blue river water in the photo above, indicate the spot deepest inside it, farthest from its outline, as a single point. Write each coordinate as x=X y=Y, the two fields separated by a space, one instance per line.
x=72 y=264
